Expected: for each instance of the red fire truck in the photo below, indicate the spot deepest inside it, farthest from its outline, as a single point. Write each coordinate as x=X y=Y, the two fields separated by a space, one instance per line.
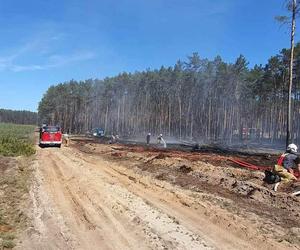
x=50 y=136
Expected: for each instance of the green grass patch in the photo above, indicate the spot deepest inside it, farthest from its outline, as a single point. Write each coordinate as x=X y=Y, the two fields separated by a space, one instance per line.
x=16 y=140
x=8 y=244
x=8 y=240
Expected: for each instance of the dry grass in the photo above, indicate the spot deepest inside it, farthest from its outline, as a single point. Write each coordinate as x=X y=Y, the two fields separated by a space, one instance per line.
x=15 y=177
x=15 y=174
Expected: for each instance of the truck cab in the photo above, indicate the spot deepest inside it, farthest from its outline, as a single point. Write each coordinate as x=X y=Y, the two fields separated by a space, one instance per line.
x=50 y=136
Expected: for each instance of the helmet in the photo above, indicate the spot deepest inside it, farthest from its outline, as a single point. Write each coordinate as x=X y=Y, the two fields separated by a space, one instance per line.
x=160 y=135
x=292 y=148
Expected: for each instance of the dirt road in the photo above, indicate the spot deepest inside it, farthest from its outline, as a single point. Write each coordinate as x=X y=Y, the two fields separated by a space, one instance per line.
x=81 y=200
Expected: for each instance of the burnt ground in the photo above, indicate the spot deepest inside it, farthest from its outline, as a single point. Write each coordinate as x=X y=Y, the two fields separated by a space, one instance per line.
x=210 y=153
x=212 y=172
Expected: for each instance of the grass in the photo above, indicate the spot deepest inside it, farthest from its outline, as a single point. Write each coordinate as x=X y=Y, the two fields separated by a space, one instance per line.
x=15 y=180
x=15 y=175
x=16 y=140
x=8 y=240
x=8 y=244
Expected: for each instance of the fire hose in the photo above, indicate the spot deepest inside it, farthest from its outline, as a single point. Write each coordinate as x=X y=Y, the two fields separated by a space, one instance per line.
x=254 y=167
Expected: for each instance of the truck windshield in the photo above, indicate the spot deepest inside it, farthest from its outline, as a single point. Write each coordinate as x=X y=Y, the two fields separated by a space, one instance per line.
x=51 y=129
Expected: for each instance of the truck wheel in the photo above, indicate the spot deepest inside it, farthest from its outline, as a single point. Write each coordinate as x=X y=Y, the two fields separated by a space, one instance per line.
x=58 y=145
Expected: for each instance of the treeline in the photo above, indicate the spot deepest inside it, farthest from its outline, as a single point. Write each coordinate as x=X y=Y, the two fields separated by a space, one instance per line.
x=198 y=99
x=18 y=117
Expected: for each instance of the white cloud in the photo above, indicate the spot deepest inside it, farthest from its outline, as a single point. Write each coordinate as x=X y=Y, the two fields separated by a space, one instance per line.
x=19 y=68
x=59 y=60
x=40 y=47
x=54 y=61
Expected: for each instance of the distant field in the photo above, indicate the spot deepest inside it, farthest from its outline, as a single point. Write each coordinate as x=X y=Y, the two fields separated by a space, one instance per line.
x=16 y=140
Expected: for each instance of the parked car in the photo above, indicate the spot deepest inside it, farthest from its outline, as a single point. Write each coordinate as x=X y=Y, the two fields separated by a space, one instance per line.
x=97 y=132
x=50 y=136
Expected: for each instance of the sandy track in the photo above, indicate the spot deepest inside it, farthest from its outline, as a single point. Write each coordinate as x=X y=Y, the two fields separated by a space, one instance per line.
x=84 y=202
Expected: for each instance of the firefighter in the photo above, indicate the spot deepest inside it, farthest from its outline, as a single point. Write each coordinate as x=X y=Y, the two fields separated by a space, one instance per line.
x=66 y=139
x=160 y=140
x=287 y=164
x=148 y=137
x=112 y=139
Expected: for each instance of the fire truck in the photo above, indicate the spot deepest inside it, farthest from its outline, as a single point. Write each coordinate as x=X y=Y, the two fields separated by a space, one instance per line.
x=50 y=136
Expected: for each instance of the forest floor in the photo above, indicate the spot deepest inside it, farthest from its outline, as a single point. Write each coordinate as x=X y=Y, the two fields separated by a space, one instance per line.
x=99 y=196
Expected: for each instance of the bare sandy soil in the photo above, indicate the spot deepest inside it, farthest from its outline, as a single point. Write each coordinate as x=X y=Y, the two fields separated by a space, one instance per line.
x=95 y=196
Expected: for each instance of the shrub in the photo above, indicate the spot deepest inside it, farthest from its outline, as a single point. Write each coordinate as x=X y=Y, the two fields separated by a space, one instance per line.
x=16 y=140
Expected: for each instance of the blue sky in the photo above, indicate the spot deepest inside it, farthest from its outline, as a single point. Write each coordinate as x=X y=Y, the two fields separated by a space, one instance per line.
x=47 y=42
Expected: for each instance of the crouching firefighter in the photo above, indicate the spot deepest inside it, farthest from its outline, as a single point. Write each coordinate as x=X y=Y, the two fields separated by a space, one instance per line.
x=287 y=164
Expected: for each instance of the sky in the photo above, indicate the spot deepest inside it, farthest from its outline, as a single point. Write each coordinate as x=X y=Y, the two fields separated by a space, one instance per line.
x=44 y=43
